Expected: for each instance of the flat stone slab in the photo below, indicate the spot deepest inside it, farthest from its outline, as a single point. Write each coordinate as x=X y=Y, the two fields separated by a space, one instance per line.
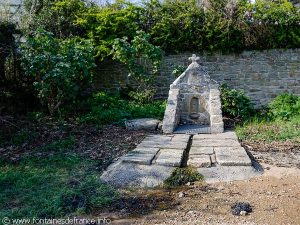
x=142 y=124
x=180 y=138
x=121 y=174
x=159 y=138
x=216 y=143
x=169 y=157
x=145 y=150
x=167 y=144
x=140 y=158
x=201 y=150
x=199 y=161
x=225 y=160
x=240 y=151
x=165 y=141
x=220 y=136
x=232 y=157
x=228 y=173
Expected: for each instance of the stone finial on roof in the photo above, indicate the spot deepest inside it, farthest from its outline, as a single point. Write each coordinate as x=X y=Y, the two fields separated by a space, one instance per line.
x=194 y=58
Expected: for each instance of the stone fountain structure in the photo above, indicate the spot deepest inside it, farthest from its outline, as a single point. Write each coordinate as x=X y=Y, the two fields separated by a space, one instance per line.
x=194 y=104
x=193 y=107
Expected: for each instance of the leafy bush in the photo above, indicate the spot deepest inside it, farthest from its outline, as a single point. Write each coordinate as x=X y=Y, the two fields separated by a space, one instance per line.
x=107 y=109
x=285 y=106
x=141 y=58
x=181 y=176
x=173 y=25
x=7 y=45
x=178 y=70
x=105 y=24
x=60 y=68
x=142 y=97
x=178 y=26
x=235 y=103
x=271 y=24
x=56 y=16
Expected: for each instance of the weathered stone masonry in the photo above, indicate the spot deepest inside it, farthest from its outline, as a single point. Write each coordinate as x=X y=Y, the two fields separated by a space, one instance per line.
x=262 y=74
x=194 y=99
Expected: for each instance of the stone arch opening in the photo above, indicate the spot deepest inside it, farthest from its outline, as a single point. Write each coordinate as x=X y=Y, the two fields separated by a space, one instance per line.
x=194 y=108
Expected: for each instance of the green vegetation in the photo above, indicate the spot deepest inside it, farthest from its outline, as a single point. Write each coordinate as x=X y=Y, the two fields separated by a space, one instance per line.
x=53 y=16
x=173 y=25
x=178 y=26
x=78 y=34
x=22 y=136
x=59 y=145
x=181 y=176
x=138 y=56
x=261 y=129
x=235 y=103
x=51 y=75
x=52 y=186
x=105 y=24
x=285 y=106
x=178 y=70
x=107 y=109
x=7 y=44
x=60 y=69
x=275 y=23
x=280 y=122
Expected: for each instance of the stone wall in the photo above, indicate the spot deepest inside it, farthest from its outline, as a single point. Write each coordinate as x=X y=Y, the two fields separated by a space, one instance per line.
x=262 y=74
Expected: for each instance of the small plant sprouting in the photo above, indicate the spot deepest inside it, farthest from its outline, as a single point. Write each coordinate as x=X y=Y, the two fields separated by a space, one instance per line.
x=181 y=176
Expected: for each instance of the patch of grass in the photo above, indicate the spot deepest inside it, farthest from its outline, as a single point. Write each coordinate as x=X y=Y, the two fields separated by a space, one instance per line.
x=60 y=145
x=181 y=176
x=52 y=186
x=280 y=121
x=262 y=129
x=19 y=138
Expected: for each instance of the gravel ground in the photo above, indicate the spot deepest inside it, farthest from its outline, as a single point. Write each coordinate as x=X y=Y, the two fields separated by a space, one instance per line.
x=281 y=154
x=274 y=197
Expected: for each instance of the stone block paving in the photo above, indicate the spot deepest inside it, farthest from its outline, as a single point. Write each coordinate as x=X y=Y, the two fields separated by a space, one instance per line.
x=223 y=149
x=206 y=150
x=140 y=155
x=218 y=157
x=169 y=157
x=165 y=150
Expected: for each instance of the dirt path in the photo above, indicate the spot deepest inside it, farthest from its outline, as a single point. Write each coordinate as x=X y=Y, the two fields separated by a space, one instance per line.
x=275 y=198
